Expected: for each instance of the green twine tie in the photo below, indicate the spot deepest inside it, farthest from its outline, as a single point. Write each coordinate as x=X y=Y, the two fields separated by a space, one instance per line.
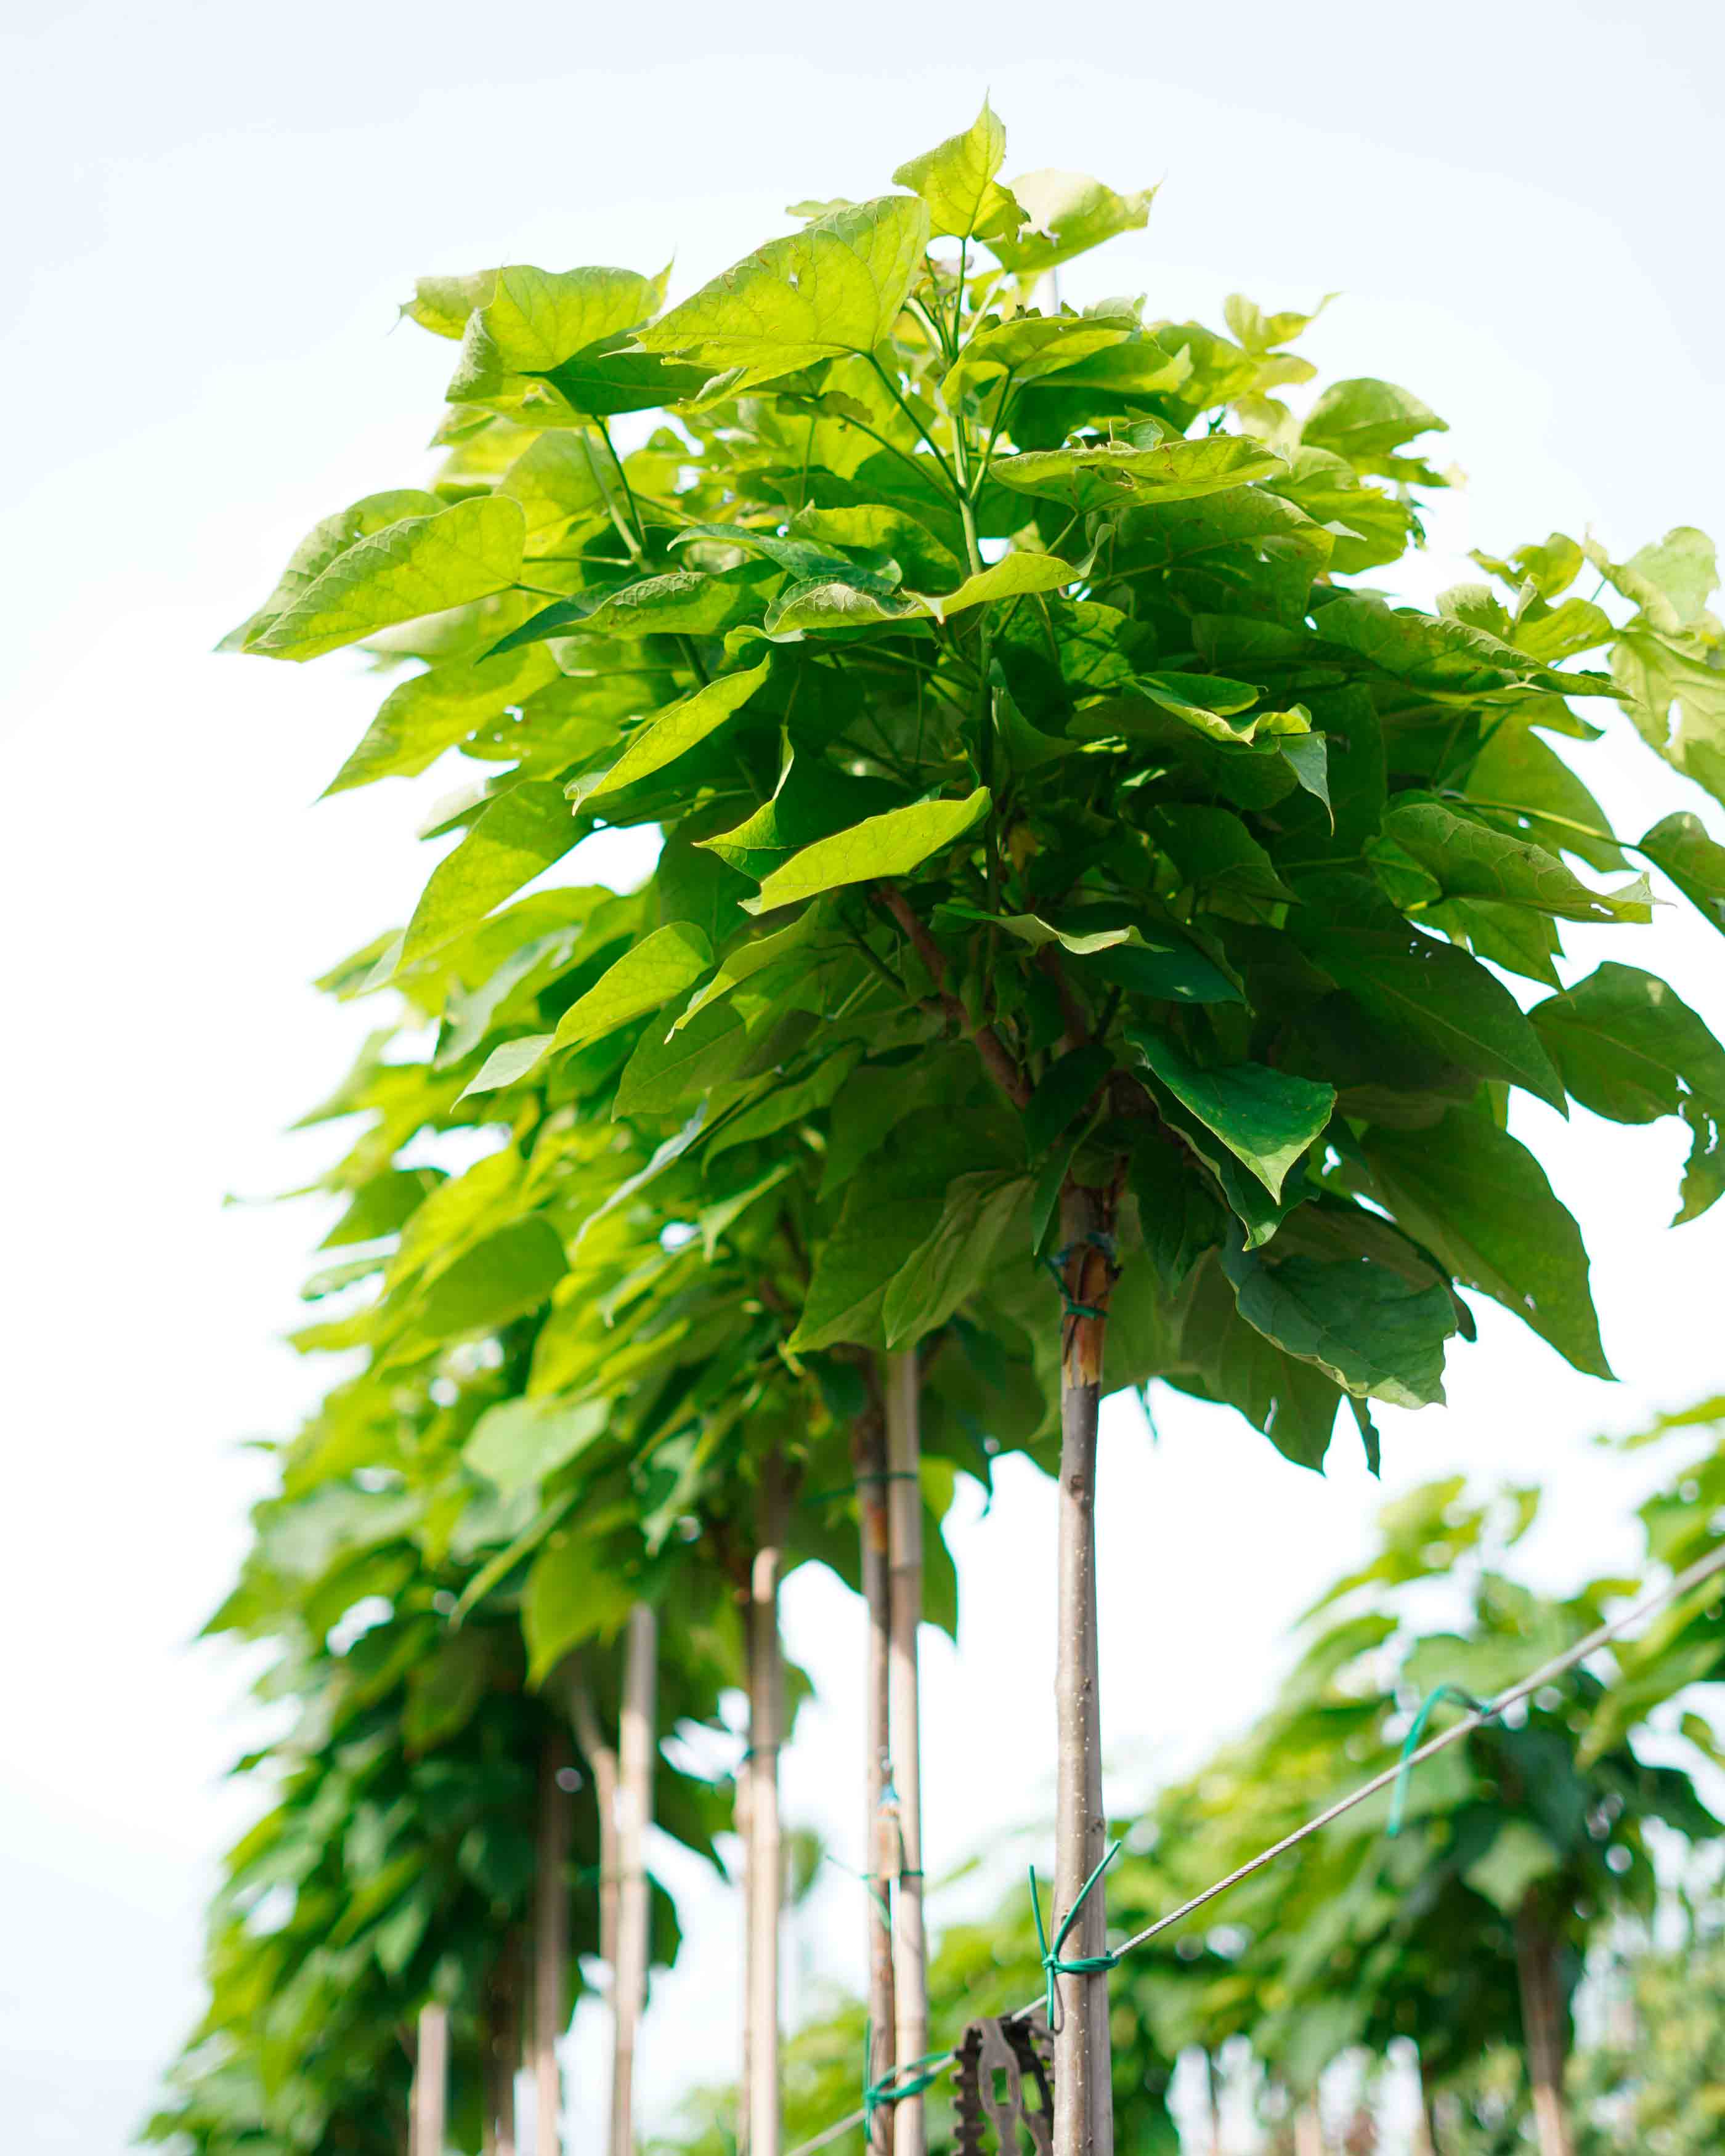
x=1410 y=1745
x=1081 y=1965
x=1106 y=1245
x=882 y=2094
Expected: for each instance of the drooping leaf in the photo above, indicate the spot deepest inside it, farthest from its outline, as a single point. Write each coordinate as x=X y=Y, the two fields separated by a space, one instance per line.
x=1362 y=1325
x=1480 y=1201
x=1470 y=859
x=1629 y=1046
x=1068 y=214
x=881 y=846
x=568 y=1599
x=1114 y=474
x=417 y=722
x=514 y=838
x=674 y=731
x=1266 y=1118
x=1364 y=420
x=517 y=1443
x=416 y=565
x=1681 y=846
x=660 y=966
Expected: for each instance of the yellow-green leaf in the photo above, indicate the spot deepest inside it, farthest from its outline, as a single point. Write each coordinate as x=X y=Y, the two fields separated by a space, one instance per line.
x=889 y=845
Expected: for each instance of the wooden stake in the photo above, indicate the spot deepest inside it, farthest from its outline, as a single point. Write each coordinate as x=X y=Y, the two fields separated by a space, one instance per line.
x=1083 y=2122
x=1543 y=2030
x=767 y=1856
x=880 y=1842
x=551 y=1947
x=904 y=1454
x=431 y=2080
x=637 y=1747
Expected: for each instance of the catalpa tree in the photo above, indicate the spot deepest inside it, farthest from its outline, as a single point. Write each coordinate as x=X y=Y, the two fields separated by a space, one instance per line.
x=1056 y=828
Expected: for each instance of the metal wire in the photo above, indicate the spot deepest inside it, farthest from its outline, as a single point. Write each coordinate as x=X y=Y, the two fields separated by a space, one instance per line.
x=1559 y=1666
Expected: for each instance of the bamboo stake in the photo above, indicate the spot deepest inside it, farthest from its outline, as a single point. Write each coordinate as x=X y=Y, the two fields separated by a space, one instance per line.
x=868 y=1456
x=1542 y=2028
x=909 y=1957
x=1083 y=2122
x=636 y=1748
x=767 y=1859
x=431 y=2079
x=551 y=1948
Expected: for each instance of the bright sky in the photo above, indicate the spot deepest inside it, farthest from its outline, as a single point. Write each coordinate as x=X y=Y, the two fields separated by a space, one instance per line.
x=214 y=213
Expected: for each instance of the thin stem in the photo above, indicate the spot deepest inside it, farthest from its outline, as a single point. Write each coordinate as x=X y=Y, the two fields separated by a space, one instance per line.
x=892 y=391
x=997 y=1059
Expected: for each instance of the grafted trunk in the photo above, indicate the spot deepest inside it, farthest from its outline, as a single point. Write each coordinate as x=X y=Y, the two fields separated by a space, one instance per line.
x=431 y=2080
x=880 y=1843
x=1084 y=2110
x=904 y=1451
x=637 y=1747
x=1543 y=2030
x=551 y=1947
x=767 y=1856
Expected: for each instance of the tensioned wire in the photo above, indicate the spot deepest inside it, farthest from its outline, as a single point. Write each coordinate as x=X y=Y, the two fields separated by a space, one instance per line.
x=1692 y=1576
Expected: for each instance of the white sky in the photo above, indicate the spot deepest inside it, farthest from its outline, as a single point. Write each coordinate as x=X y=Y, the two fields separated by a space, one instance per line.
x=212 y=211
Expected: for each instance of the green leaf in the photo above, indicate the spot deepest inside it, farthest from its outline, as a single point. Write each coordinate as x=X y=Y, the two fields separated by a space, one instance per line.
x=1662 y=675
x=1681 y=846
x=1480 y=1202
x=414 y=566
x=1030 y=347
x=1414 y=983
x=417 y=722
x=1439 y=654
x=515 y=838
x=1365 y=1327
x=881 y=846
x=681 y=602
x=1364 y=420
x=1266 y=1118
x=508 y=1273
x=1213 y=850
x=1629 y=1046
x=1519 y=1857
x=442 y=305
x=1516 y=772
x=673 y=733
x=508 y=1063
x=873 y=1238
x=1471 y=860
x=954 y=1258
x=519 y=1442
x=823 y=603
x=667 y=1071
x=326 y=544
x=1292 y=1401
x=537 y=318
x=1064 y=1088
x=1069 y=214
x=1177 y=1216
x=568 y=1600
x=660 y=966
x=1307 y=756
x=837 y=286
x=1116 y=474
x=956 y=181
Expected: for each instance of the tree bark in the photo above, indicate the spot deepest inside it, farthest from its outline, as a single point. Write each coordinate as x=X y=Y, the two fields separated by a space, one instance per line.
x=1425 y=2140
x=551 y=1948
x=767 y=1858
x=904 y=1451
x=879 y=1850
x=1543 y=2030
x=431 y=2080
x=1309 y=2129
x=742 y=1815
x=502 y=2037
x=1084 y=2123
x=637 y=1747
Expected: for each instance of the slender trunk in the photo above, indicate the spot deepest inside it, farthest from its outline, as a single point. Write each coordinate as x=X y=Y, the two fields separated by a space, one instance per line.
x=879 y=1850
x=431 y=2080
x=1213 y=2087
x=602 y=1762
x=767 y=1861
x=502 y=2038
x=743 y=1813
x=551 y=1948
x=904 y=1447
x=1542 y=2028
x=1425 y=2119
x=1309 y=2129
x=1083 y=2124
x=636 y=1748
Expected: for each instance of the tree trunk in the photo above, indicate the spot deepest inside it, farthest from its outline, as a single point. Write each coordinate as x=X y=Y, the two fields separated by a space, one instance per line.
x=602 y=1762
x=431 y=2080
x=767 y=1857
x=1213 y=2089
x=904 y=1449
x=637 y=1745
x=502 y=2039
x=1309 y=2129
x=551 y=1948
x=879 y=1850
x=1425 y=2140
x=743 y=1818
x=1543 y=2032
x=1084 y=2120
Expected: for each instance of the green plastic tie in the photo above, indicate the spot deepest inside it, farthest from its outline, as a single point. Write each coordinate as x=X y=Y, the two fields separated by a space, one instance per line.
x=1410 y=1745
x=1099 y=1241
x=1081 y=1965
x=882 y=2094
x=868 y=1881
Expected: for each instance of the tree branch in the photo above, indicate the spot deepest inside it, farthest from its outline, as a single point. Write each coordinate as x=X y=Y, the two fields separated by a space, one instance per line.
x=997 y=1057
